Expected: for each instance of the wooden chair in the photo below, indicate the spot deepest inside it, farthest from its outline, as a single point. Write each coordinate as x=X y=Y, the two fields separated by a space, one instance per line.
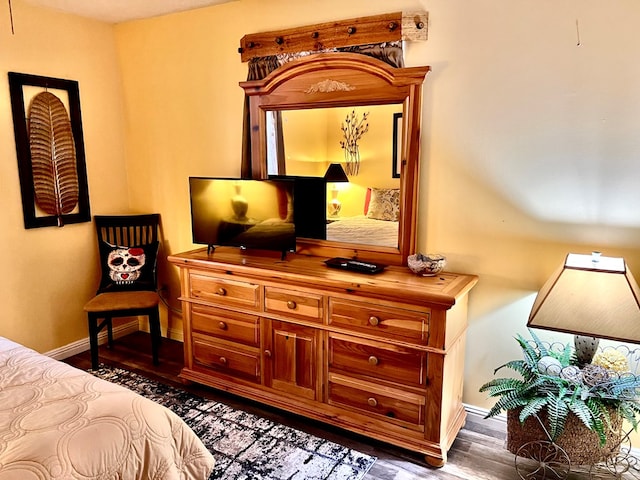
x=118 y=295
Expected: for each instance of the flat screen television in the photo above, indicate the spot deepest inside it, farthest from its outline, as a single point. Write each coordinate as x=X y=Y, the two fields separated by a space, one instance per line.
x=309 y=205
x=250 y=214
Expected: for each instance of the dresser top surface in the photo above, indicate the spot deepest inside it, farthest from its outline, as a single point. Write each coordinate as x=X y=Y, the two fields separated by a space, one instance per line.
x=310 y=271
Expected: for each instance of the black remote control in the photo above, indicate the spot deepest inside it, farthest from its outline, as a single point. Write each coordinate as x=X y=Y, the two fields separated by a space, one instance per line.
x=354 y=265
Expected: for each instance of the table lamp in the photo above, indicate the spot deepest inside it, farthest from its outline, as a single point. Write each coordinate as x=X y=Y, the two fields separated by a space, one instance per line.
x=334 y=174
x=592 y=297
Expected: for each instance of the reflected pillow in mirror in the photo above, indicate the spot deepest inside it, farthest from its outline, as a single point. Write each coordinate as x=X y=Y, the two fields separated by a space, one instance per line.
x=384 y=204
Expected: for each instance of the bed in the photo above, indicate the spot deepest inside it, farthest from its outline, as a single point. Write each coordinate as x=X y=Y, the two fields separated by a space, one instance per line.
x=379 y=226
x=362 y=229
x=58 y=422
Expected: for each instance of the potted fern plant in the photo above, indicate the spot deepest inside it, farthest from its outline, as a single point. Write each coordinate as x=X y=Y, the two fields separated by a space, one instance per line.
x=580 y=408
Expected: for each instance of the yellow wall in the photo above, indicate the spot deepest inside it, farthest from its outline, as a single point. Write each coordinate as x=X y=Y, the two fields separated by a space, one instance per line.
x=529 y=144
x=49 y=273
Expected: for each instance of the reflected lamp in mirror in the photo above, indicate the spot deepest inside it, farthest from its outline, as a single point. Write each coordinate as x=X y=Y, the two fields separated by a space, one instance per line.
x=335 y=174
x=592 y=297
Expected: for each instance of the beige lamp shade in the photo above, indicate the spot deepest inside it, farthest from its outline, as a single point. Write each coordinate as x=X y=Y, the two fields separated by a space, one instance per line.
x=590 y=295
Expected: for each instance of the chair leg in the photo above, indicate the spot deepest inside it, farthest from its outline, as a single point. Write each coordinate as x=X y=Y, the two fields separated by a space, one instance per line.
x=156 y=336
x=93 y=340
x=109 y=323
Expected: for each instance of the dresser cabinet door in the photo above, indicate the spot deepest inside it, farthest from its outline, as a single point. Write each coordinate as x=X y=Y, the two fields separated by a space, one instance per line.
x=291 y=358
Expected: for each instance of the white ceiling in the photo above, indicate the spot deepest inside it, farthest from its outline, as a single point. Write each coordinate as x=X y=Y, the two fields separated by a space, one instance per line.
x=116 y=11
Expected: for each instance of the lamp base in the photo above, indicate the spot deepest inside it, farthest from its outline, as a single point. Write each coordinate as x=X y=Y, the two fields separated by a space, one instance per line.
x=586 y=348
x=334 y=204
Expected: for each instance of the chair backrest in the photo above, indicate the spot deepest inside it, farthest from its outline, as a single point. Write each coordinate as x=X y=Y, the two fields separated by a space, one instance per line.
x=127 y=230
x=133 y=268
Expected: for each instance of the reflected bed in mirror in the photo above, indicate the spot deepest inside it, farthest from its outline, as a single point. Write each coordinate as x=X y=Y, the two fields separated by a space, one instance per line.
x=313 y=139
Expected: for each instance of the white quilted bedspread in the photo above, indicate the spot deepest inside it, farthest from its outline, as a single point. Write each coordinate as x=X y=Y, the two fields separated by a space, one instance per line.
x=360 y=229
x=58 y=422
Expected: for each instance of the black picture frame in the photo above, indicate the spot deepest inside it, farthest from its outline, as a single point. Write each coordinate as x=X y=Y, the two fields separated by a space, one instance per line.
x=17 y=84
x=397 y=146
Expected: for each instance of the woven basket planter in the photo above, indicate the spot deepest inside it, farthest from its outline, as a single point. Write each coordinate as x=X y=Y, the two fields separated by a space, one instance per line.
x=581 y=445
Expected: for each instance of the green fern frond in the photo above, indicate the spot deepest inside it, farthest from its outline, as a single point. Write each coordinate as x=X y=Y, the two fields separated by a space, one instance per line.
x=517 y=365
x=540 y=346
x=598 y=413
x=510 y=401
x=532 y=408
x=630 y=411
x=529 y=353
x=501 y=386
x=523 y=368
x=564 y=356
x=558 y=412
x=580 y=410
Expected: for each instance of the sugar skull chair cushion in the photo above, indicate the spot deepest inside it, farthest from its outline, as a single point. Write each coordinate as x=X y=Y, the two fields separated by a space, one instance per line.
x=128 y=247
x=128 y=268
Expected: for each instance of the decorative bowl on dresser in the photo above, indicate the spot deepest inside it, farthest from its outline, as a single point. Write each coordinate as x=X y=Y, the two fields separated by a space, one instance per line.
x=382 y=355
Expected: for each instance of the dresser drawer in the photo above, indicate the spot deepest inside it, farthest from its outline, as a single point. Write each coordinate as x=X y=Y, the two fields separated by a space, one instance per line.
x=376 y=320
x=227 y=358
x=387 y=362
x=293 y=303
x=395 y=405
x=224 y=291
x=237 y=327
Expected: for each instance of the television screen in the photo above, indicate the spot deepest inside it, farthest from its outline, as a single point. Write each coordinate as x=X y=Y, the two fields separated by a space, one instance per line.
x=256 y=214
x=309 y=206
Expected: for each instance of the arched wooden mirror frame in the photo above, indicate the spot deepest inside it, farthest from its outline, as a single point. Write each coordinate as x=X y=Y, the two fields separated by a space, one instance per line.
x=342 y=80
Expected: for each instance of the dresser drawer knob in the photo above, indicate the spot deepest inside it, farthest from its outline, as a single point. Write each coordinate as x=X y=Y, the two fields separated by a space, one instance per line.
x=223 y=360
x=373 y=360
x=221 y=291
x=222 y=325
x=291 y=305
x=267 y=353
x=373 y=320
x=372 y=402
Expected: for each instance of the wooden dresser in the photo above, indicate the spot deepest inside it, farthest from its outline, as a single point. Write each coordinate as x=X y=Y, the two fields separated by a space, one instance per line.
x=381 y=355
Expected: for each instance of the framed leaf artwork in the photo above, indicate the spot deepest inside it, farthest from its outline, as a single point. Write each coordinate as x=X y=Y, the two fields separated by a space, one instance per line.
x=50 y=148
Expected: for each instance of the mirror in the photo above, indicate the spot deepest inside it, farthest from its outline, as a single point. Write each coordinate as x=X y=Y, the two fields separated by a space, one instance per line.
x=313 y=98
x=313 y=139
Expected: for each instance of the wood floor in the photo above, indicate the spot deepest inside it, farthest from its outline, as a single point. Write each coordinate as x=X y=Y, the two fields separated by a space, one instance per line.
x=477 y=454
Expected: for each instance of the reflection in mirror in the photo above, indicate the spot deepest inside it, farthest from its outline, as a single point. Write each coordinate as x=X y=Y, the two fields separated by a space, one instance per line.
x=368 y=211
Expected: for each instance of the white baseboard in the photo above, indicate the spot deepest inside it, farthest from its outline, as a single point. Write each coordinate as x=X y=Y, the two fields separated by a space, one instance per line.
x=482 y=412
x=82 y=345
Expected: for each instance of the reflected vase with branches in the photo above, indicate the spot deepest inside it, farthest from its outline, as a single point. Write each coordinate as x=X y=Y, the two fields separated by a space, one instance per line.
x=353 y=128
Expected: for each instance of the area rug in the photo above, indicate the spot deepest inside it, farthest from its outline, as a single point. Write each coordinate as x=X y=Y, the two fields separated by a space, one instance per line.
x=245 y=446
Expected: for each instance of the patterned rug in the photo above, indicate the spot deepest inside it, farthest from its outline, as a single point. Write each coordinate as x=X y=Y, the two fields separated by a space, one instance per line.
x=245 y=446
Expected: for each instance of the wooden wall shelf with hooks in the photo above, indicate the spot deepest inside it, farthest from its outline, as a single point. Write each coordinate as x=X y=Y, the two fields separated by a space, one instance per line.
x=357 y=31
